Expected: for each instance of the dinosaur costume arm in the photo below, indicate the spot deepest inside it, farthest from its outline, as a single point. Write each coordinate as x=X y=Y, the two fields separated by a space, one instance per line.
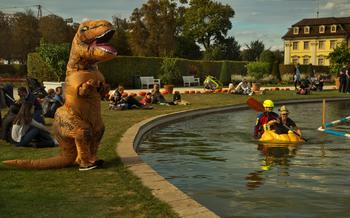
x=88 y=87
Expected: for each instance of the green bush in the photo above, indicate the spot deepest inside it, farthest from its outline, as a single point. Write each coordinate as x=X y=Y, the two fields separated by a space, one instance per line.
x=258 y=69
x=170 y=72
x=37 y=68
x=56 y=57
x=9 y=70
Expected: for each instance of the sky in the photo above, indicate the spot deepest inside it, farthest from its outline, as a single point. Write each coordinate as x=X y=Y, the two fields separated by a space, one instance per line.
x=264 y=20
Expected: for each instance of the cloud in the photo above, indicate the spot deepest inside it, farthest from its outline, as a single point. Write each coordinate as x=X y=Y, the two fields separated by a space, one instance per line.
x=329 y=5
x=337 y=7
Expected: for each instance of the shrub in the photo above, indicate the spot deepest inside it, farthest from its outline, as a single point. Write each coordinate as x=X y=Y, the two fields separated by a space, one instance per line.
x=37 y=68
x=170 y=73
x=56 y=57
x=258 y=69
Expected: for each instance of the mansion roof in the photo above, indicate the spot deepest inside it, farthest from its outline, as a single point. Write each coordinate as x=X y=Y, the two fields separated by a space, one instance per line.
x=342 y=27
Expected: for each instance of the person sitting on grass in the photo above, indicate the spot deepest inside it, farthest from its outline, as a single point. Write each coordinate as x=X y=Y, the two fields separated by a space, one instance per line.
x=243 y=88
x=47 y=103
x=6 y=125
x=52 y=102
x=317 y=83
x=27 y=132
x=157 y=97
x=304 y=88
x=147 y=99
x=231 y=88
x=58 y=100
x=122 y=102
x=28 y=97
x=177 y=99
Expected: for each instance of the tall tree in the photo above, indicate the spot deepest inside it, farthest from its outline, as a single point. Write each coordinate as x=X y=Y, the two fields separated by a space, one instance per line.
x=138 y=34
x=153 y=27
x=207 y=21
x=120 y=39
x=230 y=49
x=25 y=36
x=225 y=49
x=5 y=36
x=339 y=57
x=54 y=29
x=253 y=51
x=187 y=48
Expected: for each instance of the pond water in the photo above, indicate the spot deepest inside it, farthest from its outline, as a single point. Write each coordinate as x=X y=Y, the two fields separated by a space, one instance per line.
x=215 y=160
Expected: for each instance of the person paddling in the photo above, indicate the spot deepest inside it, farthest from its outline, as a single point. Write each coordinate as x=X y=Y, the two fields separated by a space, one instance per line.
x=263 y=119
x=284 y=123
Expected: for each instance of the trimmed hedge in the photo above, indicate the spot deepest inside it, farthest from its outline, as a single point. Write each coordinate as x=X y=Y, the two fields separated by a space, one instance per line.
x=13 y=70
x=125 y=69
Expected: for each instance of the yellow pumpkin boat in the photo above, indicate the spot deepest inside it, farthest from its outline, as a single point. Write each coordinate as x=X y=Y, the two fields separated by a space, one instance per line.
x=272 y=136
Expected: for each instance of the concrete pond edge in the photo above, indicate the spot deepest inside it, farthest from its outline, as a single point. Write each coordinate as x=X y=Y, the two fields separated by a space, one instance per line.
x=180 y=202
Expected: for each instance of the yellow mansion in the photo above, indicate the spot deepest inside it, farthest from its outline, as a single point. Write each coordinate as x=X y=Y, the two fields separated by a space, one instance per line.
x=311 y=40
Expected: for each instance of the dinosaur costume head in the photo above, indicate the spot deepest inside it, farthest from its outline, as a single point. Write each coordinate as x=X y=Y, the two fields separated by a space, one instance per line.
x=90 y=45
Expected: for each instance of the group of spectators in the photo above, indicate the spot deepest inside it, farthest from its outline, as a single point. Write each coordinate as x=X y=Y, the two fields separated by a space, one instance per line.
x=24 y=123
x=310 y=83
x=243 y=88
x=121 y=101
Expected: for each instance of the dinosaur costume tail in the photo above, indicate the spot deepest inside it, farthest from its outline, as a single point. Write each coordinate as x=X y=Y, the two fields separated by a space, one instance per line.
x=49 y=163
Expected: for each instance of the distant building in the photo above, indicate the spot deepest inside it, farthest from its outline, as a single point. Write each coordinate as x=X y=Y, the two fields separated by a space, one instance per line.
x=311 y=40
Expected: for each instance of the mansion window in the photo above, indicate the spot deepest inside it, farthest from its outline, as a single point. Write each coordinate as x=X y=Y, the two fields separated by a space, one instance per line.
x=333 y=28
x=295 y=45
x=295 y=59
x=332 y=44
x=321 y=29
x=295 y=30
x=320 y=61
x=306 y=45
x=307 y=30
x=306 y=60
x=321 y=44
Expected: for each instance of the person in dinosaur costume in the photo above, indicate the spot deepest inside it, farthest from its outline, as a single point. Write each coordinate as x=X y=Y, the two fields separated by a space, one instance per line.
x=78 y=123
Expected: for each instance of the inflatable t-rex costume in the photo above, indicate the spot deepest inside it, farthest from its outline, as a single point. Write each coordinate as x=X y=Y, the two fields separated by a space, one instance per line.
x=78 y=124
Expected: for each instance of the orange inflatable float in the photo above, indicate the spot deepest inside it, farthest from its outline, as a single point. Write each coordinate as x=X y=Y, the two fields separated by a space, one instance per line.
x=78 y=123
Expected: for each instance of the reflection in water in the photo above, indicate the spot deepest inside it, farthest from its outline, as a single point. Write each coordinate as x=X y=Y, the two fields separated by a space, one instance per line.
x=274 y=155
x=215 y=161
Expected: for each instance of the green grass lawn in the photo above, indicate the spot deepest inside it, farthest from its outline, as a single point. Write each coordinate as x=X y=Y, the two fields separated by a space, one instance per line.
x=108 y=192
